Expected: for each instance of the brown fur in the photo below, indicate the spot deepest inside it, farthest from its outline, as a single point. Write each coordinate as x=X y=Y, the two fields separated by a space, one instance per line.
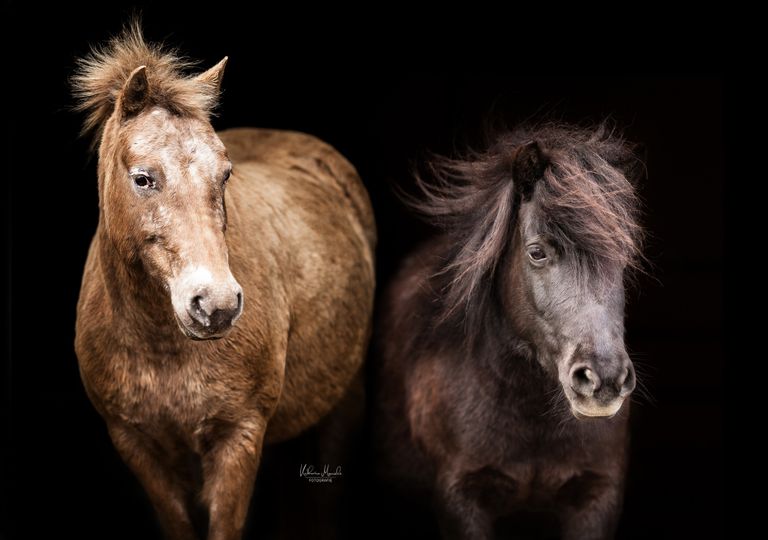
x=101 y=75
x=190 y=417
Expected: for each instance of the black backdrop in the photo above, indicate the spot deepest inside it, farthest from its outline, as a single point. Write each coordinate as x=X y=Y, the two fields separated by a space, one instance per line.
x=383 y=119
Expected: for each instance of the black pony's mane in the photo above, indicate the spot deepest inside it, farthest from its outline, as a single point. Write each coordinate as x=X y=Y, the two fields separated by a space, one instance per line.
x=585 y=194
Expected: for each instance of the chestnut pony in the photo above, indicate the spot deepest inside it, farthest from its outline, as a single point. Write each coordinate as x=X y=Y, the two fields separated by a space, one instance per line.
x=227 y=295
x=502 y=370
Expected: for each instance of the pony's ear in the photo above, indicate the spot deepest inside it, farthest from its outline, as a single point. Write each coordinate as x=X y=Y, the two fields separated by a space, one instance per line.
x=528 y=167
x=214 y=75
x=135 y=93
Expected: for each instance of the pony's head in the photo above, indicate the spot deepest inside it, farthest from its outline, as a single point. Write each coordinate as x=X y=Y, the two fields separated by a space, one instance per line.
x=545 y=228
x=162 y=176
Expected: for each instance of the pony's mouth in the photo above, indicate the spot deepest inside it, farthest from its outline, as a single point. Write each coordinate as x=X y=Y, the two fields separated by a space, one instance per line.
x=594 y=410
x=191 y=332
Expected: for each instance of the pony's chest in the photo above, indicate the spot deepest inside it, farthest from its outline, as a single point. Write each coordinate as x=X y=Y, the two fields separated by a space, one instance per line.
x=509 y=486
x=533 y=463
x=158 y=396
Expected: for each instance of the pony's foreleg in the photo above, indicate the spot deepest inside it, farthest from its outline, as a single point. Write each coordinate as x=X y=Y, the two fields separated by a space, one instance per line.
x=229 y=471
x=596 y=518
x=165 y=491
x=459 y=514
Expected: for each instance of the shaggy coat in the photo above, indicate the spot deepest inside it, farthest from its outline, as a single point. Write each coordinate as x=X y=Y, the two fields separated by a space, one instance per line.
x=289 y=240
x=503 y=334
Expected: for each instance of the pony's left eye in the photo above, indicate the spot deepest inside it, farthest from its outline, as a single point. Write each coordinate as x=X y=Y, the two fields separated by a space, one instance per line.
x=536 y=253
x=226 y=176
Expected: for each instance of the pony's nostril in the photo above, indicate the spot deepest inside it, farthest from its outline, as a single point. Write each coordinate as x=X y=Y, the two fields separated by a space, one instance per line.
x=584 y=381
x=197 y=311
x=196 y=304
x=239 y=301
x=622 y=378
x=584 y=375
x=627 y=384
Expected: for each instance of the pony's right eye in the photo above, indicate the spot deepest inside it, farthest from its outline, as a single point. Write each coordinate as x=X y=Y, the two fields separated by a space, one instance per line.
x=143 y=181
x=536 y=253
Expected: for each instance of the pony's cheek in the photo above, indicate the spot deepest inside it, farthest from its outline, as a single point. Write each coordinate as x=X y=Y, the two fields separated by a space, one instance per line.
x=158 y=261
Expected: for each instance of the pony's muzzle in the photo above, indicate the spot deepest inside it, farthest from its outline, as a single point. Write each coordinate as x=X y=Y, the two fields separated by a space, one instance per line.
x=206 y=305
x=598 y=387
x=214 y=308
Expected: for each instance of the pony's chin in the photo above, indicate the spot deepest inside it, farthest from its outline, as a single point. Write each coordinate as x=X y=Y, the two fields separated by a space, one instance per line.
x=594 y=412
x=195 y=334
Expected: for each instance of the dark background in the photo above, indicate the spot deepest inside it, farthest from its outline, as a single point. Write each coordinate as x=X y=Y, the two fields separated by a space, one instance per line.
x=383 y=118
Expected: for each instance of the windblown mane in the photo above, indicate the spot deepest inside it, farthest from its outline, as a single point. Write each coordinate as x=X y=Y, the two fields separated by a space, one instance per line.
x=586 y=196
x=101 y=75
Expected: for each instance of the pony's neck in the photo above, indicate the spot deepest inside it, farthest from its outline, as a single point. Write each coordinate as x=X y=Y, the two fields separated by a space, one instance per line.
x=520 y=381
x=137 y=301
x=507 y=360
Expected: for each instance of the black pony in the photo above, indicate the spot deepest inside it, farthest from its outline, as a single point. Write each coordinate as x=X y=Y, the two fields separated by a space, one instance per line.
x=502 y=371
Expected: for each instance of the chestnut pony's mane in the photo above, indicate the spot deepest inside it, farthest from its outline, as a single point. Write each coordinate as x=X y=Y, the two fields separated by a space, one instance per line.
x=101 y=75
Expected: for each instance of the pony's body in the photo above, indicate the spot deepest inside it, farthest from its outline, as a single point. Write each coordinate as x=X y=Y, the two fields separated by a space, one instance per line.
x=481 y=436
x=292 y=239
x=491 y=329
x=292 y=201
